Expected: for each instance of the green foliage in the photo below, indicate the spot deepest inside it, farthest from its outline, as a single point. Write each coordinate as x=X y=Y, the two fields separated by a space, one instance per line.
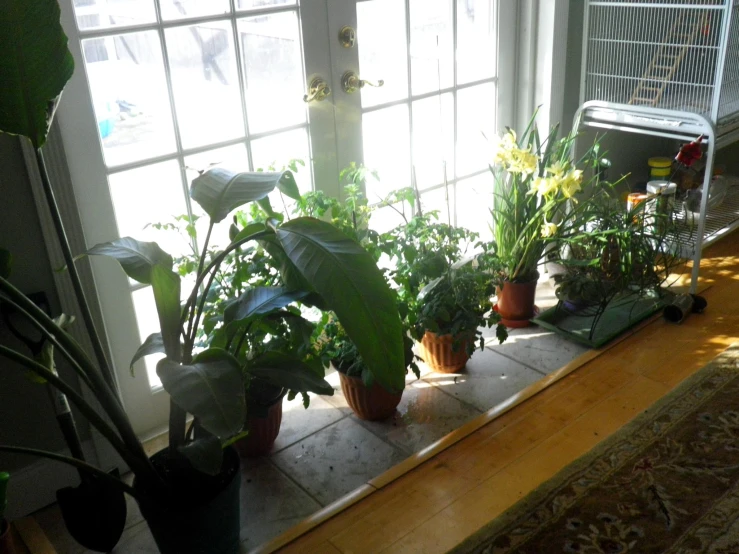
x=606 y=250
x=444 y=278
x=34 y=67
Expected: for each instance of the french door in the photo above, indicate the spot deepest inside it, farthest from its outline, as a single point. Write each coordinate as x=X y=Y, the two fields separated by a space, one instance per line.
x=165 y=87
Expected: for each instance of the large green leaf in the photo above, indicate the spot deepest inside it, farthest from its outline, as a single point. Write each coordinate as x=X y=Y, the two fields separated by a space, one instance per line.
x=136 y=258
x=291 y=275
x=35 y=64
x=220 y=191
x=351 y=284
x=152 y=345
x=211 y=389
x=288 y=186
x=260 y=300
x=283 y=370
x=165 y=284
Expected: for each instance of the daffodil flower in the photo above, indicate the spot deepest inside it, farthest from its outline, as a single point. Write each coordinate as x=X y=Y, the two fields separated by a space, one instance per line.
x=548 y=230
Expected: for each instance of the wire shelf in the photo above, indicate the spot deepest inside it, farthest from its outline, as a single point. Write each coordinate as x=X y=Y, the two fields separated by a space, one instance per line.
x=720 y=220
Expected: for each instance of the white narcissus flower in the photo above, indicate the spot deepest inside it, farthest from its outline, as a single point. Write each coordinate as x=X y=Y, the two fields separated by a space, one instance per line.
x=548 y=230
x=571 y=183
x=544 y=185
x=523 y=161
x=557 y=169
x=503 y=147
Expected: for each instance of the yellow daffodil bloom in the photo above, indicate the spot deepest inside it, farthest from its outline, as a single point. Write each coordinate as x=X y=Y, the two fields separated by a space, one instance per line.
x=571 y=183
x=548 y=230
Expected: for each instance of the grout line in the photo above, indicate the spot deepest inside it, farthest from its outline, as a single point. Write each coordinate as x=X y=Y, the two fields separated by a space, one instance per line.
x=295 y=482
x=449 y=394
x=527 y=366
x=283 y=448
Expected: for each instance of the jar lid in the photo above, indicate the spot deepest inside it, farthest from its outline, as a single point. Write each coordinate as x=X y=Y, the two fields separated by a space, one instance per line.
x=660 y=162
x=661 y=187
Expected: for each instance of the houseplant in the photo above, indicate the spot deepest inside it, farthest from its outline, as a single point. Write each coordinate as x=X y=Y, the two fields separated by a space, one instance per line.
x=249 y=313
x=534 y=181
x=188 y=493
x=444 y=278
x=365 y=394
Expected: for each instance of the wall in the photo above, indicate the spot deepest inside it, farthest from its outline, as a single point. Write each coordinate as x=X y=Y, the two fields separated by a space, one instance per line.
x=26 y=415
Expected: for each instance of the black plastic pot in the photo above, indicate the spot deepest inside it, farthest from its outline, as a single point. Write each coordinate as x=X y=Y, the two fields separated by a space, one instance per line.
x=6 y=538
x=202 y=516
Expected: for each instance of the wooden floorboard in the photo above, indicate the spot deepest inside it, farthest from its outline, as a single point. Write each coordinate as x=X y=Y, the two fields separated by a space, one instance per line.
x=441 y=502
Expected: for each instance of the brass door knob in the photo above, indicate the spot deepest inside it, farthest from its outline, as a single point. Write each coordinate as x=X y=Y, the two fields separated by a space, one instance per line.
x=318 y=91
x=350 y=82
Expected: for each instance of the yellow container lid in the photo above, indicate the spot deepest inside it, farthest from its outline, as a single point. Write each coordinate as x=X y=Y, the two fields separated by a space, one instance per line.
x=660 y=162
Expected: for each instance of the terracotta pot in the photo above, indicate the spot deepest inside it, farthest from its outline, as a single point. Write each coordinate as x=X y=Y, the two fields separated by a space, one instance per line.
x=516 y=303
x=262 y=433
x=439 y=354
x=6 y=538
x=373 y=403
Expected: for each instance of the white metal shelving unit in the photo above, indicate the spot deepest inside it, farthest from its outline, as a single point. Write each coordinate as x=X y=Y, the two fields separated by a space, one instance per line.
x=667 y=68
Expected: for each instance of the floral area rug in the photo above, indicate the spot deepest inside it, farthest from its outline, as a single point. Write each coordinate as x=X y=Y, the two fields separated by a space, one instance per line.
x=666 y=482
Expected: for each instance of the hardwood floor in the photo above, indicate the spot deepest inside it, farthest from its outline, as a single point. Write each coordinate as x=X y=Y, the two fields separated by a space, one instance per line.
x=444 y=500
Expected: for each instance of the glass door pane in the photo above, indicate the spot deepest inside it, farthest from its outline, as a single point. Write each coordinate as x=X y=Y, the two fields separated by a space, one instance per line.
x=427 y=124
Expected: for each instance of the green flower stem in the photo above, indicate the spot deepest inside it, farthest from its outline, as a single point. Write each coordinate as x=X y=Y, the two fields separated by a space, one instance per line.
x=79 y=464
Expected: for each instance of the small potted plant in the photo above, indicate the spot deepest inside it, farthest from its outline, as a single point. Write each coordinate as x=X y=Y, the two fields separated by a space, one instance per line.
x=249 y=313
x=452 y=310
x=535 y=181
x=366 y=397
x=444 y=278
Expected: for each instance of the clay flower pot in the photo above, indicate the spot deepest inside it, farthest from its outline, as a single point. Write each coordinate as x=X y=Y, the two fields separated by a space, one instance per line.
x=373 y=403
x=262 y=432
x=516 y=303
x=439 y=354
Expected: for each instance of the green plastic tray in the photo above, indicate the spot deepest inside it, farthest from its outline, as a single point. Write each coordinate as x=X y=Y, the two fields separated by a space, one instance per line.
x=620 y=315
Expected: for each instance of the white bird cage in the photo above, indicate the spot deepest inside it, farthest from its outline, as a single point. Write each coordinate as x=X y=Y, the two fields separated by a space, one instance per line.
x=667 y=68
x=680 y=55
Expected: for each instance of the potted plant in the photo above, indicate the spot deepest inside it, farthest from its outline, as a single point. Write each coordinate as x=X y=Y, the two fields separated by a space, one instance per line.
x=444 y=278
x=610 y=249
x=249 y=313
x=535 y=181
x=365 y=395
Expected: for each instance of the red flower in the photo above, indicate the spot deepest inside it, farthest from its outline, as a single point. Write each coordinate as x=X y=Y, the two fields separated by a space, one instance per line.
x=690 y=153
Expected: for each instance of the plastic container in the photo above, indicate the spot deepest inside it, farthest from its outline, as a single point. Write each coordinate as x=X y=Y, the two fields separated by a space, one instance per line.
x=659 y=168
x=715 y=197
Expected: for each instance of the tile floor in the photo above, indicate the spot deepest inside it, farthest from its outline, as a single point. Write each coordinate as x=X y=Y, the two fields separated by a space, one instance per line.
x=326 y=452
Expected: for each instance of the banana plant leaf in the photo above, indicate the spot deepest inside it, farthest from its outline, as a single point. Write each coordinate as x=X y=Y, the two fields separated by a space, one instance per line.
x=34 y=67
x=220 y=191
x=349 y=281
x=211 y=389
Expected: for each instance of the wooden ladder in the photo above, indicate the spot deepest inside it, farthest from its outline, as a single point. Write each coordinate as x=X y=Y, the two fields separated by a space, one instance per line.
x=668 y=58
